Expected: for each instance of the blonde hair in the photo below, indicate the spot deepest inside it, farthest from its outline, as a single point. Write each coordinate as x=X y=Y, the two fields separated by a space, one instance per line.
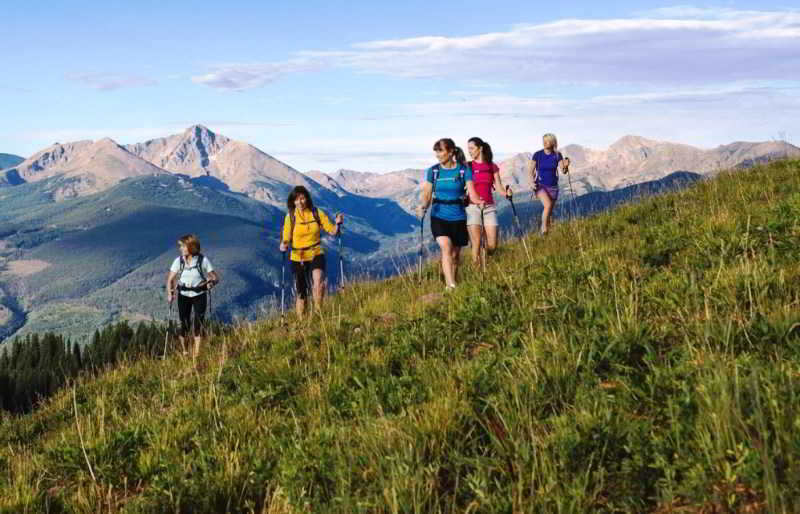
x=553 y=138
x=191 y=242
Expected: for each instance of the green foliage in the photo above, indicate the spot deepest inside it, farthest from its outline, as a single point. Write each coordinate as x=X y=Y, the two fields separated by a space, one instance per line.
x=36 y=367
x=645 y=359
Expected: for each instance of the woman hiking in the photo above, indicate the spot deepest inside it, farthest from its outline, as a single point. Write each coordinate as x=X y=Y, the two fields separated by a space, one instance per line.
x=486 y=177
x=302 y=234
x=543 y=169
x=190 y=278
x=448 y=184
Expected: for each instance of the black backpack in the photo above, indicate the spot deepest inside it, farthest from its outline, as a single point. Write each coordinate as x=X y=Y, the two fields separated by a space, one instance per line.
x=462 y=200
x=199 y=266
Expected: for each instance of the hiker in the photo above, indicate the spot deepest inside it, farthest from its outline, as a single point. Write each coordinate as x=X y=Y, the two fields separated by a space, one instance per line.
x=543 y=169
x=486 y=177
x=448 y=185
x=302 y=234
x=190 y=278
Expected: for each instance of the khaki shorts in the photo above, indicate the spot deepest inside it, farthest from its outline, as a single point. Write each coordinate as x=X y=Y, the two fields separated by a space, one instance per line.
x=489 y=215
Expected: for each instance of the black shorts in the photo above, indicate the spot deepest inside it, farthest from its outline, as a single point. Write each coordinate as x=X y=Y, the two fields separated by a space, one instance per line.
x=455 y=230
x=302 y=274
x=187 y=304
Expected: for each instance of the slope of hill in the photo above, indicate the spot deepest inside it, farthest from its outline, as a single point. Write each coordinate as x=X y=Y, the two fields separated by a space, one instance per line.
x=645 y=359
x=8 y=160
x=103 y=257
x=82 y=263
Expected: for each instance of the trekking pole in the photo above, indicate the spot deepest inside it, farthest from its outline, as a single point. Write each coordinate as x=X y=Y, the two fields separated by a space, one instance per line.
x=283 y=283
x=421 y=239
x=572 y=192
x=519 y=227
x=166 y=331
x=209 y=326
x=483 y=241
x=341 y=258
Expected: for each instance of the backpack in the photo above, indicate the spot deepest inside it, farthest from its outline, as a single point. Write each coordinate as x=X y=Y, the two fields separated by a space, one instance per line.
x=460 y=201
x=292 y=218
x=199 y=266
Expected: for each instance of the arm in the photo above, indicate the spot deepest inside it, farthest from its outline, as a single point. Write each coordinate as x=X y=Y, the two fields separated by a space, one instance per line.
x=285 y=235
x=531 y=170
x=498 y=184
x=170 y=286
x=329 y=227
x=474 y=197
x=425 y=197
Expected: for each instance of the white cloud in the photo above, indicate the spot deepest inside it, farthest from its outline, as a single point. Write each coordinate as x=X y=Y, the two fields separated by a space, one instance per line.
x=239 y=76
x=680 y=45
x=109 y=81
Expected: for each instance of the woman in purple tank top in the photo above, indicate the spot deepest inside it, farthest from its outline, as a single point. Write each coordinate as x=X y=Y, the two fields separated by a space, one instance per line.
x=543 y=170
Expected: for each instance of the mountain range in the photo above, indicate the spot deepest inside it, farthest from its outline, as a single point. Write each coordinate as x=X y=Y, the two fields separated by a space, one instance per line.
x=628 y=161
x=88 y=228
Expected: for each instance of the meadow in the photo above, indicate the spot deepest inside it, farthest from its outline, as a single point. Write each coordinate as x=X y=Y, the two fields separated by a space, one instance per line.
x=646 y=359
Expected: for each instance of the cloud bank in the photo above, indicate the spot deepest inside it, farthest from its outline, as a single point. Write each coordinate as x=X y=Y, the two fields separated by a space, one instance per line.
x=671 y=46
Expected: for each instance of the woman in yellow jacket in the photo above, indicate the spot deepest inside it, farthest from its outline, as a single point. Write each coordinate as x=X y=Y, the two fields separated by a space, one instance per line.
x=302 y=233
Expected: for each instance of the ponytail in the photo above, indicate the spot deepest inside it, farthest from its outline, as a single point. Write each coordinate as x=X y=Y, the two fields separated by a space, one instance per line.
x=486 y=150
x=461 y=159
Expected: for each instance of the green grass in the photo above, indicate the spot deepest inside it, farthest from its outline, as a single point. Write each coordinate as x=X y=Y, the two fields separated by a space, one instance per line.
x=646 y=359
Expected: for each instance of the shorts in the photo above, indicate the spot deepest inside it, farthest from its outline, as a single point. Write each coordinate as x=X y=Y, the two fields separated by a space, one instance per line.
x=455 y=230
x=552 y=191
x=489 y=215
x=303 y=274
x=186 y=304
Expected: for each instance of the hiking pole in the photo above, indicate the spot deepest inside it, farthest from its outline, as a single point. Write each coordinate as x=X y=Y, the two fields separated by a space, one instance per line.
x=209 y=327
x=483 y=241
x=341 y=257
x=572 y=192
x=519 y=227
x=421 y=240
x=166 y=331
x=283 y=283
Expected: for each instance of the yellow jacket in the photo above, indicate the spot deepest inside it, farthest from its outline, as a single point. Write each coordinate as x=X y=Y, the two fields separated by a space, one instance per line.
x=305 y=243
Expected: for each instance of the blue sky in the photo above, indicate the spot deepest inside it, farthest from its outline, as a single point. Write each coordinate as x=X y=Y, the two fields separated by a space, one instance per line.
x=369 y=86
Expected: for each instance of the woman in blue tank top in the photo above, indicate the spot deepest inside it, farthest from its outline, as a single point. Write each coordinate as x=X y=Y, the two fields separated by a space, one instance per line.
x=543 y=169
x=447 y=184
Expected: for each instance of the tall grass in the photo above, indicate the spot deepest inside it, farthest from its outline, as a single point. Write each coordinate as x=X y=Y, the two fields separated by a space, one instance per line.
x=646 y=359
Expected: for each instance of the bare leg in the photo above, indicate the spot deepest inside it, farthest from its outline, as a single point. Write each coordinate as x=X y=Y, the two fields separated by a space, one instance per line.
x=300 y=307
x=474 y=242
x=491 y=238
x=454 y=258
x=196 y=351
x=183 y=343
x=547 y=205
x=319 y=287
x=447 y=259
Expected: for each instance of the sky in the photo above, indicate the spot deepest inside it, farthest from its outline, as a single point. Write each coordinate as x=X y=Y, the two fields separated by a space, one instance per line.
x=370 y=86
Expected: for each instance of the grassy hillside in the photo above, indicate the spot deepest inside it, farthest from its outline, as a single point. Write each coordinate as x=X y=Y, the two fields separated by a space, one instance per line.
x=646 y=359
